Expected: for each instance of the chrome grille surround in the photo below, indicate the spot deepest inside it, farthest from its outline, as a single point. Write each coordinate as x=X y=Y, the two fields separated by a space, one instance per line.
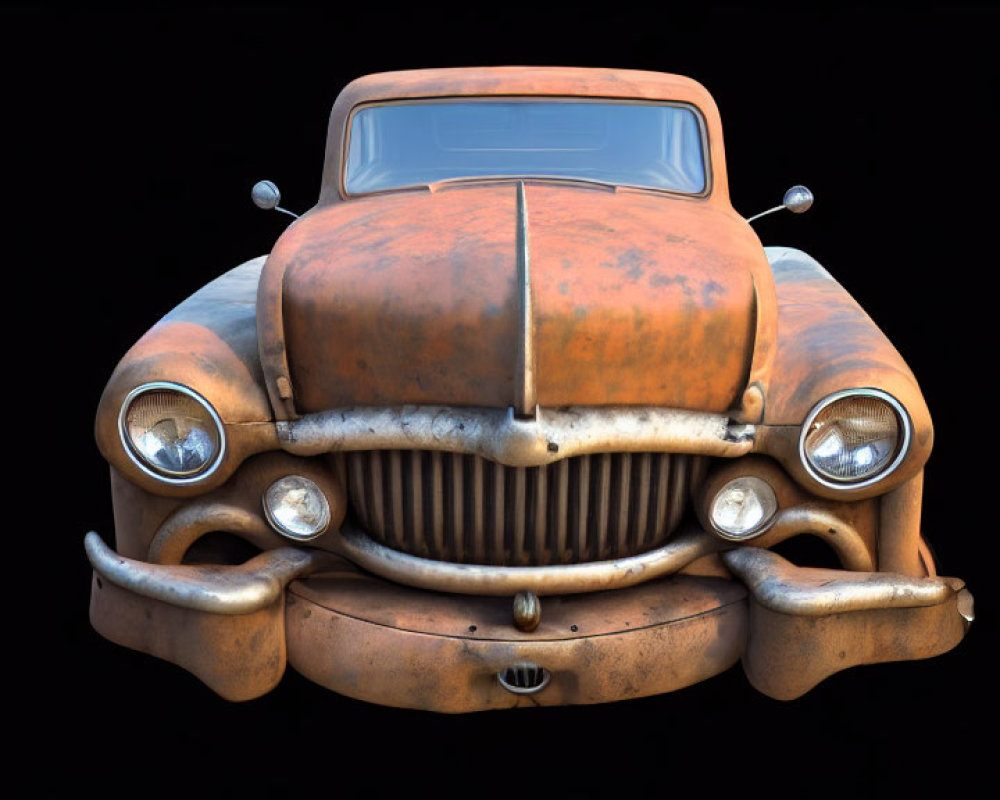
x=464 y=508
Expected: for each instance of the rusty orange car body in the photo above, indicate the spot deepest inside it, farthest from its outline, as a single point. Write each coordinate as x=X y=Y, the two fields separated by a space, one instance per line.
x=515 y=439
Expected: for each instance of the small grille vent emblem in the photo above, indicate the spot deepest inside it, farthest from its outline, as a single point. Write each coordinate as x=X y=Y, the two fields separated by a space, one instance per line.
x=524 y=677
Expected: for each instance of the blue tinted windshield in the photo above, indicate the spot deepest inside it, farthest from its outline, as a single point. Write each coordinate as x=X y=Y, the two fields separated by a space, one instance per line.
x=650 y=145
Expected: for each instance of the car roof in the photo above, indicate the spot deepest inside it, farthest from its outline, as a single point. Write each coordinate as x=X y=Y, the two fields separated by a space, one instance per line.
x=546 y=81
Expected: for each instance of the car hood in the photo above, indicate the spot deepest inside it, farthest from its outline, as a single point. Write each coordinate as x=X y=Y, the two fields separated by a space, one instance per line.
x=635 y=298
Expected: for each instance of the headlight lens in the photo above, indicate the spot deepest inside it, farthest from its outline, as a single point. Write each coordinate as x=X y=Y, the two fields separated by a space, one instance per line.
x=743 y=508
x=297 y=508
x=171 y=432
x=855 y=437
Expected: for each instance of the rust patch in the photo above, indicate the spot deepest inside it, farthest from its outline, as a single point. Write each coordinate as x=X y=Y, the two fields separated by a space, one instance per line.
x=624 y=320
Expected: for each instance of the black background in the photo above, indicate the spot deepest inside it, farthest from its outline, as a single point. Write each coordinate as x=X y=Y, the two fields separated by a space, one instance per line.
x=136 y=140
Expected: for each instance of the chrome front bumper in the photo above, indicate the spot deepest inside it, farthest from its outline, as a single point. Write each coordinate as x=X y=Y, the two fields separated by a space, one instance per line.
x=374 y=639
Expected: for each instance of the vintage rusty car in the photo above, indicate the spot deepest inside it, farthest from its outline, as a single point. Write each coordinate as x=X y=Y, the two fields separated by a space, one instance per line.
x=517 y=414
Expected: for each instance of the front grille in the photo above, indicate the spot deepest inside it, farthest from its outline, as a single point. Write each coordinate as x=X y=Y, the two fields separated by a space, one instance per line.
x=466 y=509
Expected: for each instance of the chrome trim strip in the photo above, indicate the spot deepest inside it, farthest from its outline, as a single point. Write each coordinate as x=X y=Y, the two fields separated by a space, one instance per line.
x=497 y=434
x=241 y=589
x=684 y=547
x=782 y=587
x=477 y=579
x=126 y=441
x=525 y=397
x=904 y=447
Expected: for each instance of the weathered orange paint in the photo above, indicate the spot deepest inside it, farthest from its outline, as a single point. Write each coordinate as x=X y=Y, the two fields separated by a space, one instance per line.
x=238 y=656
x=374 y=640
x=638 y=298
x=828 y=343
x=788 y=655
x=402 y=299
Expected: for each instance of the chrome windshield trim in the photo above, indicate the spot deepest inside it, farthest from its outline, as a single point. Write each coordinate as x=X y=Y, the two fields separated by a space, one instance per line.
x=499 y=435
x=704 y=145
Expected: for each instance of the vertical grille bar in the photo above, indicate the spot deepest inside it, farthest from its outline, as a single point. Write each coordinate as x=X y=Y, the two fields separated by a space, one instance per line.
x=357 y=487
x=436 y=522
x=699 y=469
x=540 y=526
x=661 y=496
x=478 y=532
x=395 y=498
x=519 y=512
x=377 y=494
x=561 y=506
x=415 y=531
x=582 y=486
x=678 y=488
x=602 y=490
x=463 y=508
x=623 y=472
x=455 y=481
x=642 y=504
x=497 y=491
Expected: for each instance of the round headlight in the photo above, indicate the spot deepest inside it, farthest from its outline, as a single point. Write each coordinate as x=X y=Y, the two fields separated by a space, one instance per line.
x=171 y=432
x=854 y=437
x=297 y=508
x=743 y=508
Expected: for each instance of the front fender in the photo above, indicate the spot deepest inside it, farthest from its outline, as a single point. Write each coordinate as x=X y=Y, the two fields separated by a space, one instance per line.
x=827 y=343
x=208 y=343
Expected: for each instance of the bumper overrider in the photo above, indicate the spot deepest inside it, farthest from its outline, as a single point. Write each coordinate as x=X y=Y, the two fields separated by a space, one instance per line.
x=386 y=638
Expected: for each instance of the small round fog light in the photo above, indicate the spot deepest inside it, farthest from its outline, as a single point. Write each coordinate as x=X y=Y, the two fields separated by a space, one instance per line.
x=743 y=508
x=296 y=508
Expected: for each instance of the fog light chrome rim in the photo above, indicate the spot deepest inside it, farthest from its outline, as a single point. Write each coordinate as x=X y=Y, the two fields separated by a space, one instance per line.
x=297 y=508
x=743 y=508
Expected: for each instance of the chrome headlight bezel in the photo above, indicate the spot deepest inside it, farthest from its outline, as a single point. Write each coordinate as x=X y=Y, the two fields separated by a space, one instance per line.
x=902 y=447
x=148 y=469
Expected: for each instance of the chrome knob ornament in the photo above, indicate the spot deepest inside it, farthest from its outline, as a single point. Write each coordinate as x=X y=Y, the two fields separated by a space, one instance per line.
x=527 y=611
x=798 y=199
x=265 y=195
